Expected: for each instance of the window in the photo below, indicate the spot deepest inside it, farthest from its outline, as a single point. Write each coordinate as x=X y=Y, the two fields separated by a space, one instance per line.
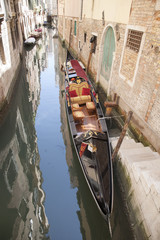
x=0 y=8
x=75 y=28
x=79 y=45
x=85 y=37
x=2 y=54
x=134 y=40
x=93 y=42
x=12 y=27
x=81 y=9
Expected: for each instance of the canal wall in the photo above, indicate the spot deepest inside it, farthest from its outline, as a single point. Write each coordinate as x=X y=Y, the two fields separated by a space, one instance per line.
x=138 y=170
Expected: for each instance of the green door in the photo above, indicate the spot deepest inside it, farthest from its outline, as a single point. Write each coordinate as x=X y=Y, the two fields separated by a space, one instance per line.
x=107 y=55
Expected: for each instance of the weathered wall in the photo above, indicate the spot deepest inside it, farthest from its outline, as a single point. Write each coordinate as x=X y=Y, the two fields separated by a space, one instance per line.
x=114 y=11
x=134 y=76
x=12 y=48
x=73 y=11
x=16 y=24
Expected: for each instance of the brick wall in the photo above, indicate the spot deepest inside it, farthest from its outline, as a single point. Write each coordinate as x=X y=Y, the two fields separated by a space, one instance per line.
x=129 y=64
x=134 y=75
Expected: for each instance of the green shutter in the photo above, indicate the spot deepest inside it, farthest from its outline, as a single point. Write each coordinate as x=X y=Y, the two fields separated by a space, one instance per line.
x=108 y=50
x=75 y=29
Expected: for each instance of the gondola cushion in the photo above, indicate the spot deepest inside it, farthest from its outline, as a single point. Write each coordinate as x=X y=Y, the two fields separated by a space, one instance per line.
x=85 y=91
x=80 y=99
x=73 y=93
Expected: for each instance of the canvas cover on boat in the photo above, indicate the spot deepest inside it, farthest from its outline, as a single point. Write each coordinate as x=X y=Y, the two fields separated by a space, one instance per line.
x=79 y=70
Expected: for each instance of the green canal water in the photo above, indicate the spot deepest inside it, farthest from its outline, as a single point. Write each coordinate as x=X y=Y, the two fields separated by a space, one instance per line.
x=43 y=191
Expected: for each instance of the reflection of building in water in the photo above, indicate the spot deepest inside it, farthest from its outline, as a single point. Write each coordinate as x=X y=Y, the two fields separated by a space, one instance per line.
x=21 y=203
x=70 y=153
x=56 y=63
x=91 y=222
x=32 y=75
x=17 y=20
x=36 y=61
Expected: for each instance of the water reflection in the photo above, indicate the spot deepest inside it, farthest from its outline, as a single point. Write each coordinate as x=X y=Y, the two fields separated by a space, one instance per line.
x=27 y=154
x=21 y=203
x=92 y=225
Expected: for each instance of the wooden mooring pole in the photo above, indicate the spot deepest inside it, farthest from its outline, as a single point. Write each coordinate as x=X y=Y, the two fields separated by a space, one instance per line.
x=122 y=135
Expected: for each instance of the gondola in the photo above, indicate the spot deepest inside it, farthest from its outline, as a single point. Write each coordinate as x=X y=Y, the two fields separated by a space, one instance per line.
x=90 y=134
x=30 y=41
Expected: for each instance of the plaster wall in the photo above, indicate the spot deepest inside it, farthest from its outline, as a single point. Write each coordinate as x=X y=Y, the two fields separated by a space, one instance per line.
x=114 y=11
x=72 y=8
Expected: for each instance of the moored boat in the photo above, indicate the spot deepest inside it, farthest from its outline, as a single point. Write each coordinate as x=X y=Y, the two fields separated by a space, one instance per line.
x=36 y=34
x=30 y=41
x=90 y=134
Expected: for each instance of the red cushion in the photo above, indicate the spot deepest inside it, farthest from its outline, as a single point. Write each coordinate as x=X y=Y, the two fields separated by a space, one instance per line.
x=85 y=91
x=73 y=93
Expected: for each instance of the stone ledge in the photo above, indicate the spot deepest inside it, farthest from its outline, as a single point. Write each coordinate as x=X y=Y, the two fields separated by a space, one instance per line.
x=142 y=166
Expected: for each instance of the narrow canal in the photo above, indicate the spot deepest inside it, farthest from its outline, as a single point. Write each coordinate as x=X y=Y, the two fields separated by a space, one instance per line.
x=43 y=192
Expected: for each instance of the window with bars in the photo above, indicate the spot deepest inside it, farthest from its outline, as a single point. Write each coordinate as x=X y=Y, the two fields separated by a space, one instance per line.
x=134 y=40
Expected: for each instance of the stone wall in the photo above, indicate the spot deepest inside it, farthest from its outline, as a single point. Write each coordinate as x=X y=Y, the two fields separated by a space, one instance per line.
x=141 y=92
x=134 y=75
x=12 y=48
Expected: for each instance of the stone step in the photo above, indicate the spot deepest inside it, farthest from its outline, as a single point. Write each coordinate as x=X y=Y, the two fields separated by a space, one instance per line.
x=126 y=144
x=143 y=156
x=149 y=175
x=136 y=155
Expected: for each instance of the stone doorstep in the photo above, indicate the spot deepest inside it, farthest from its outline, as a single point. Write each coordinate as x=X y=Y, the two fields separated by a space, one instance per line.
x=127 y=142
x=143 y=167
x=137 y=155
x=149 y=174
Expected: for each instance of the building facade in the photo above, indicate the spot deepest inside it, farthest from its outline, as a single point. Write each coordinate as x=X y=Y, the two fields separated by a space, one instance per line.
x=119 y=43
x=18 y=18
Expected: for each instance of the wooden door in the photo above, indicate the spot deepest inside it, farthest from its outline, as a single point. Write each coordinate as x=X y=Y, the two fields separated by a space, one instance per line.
x=107 y=55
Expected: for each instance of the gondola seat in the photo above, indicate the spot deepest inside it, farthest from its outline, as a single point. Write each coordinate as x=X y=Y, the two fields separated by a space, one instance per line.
x=79 y=93
x=78 y=116
x=90 y=107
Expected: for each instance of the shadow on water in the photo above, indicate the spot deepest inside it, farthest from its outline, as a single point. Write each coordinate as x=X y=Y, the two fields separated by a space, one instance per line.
x=21 y=203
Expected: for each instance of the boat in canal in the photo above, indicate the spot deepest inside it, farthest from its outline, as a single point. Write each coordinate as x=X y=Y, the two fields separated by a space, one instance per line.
x=90 y=134
x=37 y=33
x=30 y=41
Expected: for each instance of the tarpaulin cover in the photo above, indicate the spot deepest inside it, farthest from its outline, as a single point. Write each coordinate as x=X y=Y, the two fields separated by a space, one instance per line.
x=79 y=70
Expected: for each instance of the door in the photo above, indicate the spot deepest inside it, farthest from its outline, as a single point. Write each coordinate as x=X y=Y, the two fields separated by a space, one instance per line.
x=107 y=55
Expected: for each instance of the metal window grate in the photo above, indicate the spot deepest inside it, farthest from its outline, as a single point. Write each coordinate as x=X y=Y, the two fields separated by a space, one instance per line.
x=134 y=40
